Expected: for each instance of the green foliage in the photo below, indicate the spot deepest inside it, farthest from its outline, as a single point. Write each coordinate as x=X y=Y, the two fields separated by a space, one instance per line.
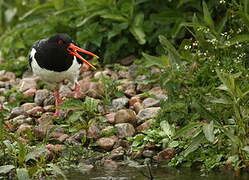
x=16 y=66
x=133 y=25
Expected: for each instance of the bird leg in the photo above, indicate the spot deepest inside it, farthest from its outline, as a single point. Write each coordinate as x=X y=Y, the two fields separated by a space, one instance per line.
x=58 y=102
x=77 y=90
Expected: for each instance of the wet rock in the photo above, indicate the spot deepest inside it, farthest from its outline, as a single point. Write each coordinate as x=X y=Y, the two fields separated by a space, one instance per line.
x=117 y=154
x=130 y=92
x=110 y=117
x=120 y=103
x=41 y=131
x=27 y=83
x=148 y=153
x=147 y=113
x=110 y=164
x=127 y=60
x=133 y=100
x=143 y=88
x=159 y=93
x=40 y=96
x=28 y=106
x=21 y=119
x=62 y=137
x=106 y=143
x=57 y=148
x=76 y=138
x=125 y=116
x=93 y=132
x=150 y=102
x=50 y=100
x=23 y=140
x=23 y=128
x=165 y=155
x=138 y=107
x=144 y=126
x=30 y=92
x=36 y=111
x=123 y=74
x=65 y=91
x=16 y=112
x=7 y=76
x=45 y=119
x=125 y=130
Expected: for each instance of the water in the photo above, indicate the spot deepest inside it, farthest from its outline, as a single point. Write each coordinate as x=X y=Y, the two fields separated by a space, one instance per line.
x=130 y=173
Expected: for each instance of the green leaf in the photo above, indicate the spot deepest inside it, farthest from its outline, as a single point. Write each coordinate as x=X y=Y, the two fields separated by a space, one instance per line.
x=237 y=39
x=6 y=168
x=169 y=47
x=194 y=144
x=207 y=16
x=137 y=29
x=22 y=174
x=58 y=4
x=167 y=129
x=187 y=128
x=208 y=130
x=161 y=62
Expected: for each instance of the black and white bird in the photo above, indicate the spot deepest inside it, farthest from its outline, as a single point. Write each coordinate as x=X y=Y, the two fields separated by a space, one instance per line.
x=55 y=59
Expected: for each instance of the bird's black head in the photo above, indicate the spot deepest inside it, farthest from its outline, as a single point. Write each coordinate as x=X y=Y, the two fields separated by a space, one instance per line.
x=61 y=41
x=58 y=51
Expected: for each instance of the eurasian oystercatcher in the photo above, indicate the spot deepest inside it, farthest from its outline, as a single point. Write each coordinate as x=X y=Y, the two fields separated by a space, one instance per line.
x=55 y=59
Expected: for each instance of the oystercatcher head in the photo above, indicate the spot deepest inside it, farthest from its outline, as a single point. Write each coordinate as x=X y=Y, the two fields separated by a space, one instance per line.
x=57 y=58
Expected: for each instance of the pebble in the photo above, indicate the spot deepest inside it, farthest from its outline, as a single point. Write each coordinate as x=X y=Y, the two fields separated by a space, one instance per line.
x=125 y=130
x=106 y=143
x=27 y=83
x=40 y=96
x=147 y=113
x=120 y=103
x=150 y=102
x=28 y=106
x=125 y=116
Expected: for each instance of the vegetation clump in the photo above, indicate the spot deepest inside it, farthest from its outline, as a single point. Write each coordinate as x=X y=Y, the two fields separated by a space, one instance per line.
x=195 y=52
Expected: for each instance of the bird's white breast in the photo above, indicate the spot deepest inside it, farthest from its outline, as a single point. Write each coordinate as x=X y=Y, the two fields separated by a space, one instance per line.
x=55 y=77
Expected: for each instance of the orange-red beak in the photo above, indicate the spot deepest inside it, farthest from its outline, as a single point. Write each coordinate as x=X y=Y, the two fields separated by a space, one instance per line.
x=72 y=49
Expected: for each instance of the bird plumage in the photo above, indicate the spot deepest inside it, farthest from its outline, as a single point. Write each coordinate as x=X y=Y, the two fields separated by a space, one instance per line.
x=55 y=59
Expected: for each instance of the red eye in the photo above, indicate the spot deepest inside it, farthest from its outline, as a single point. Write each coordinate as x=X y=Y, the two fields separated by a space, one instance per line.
x=60 y=41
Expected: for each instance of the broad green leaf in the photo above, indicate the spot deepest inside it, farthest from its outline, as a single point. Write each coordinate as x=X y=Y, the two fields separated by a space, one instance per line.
x=220 y=101
x=168 y=46
x=235 y=139
x=22 y=174
x=195 y=143
x=183 y=131
x=237 y=39
x=207 y=16
x=161 y=62
x=173 y=144
x=137 y=28
x=167 y=129
x=58 y=4
x=246 y=148
x=6 y=168
x=208 y=130
x=9 y=14
x=115 y=17
x=36 y=153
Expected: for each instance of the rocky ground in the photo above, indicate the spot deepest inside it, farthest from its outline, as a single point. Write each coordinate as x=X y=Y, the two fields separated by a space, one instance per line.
x=125 y=116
